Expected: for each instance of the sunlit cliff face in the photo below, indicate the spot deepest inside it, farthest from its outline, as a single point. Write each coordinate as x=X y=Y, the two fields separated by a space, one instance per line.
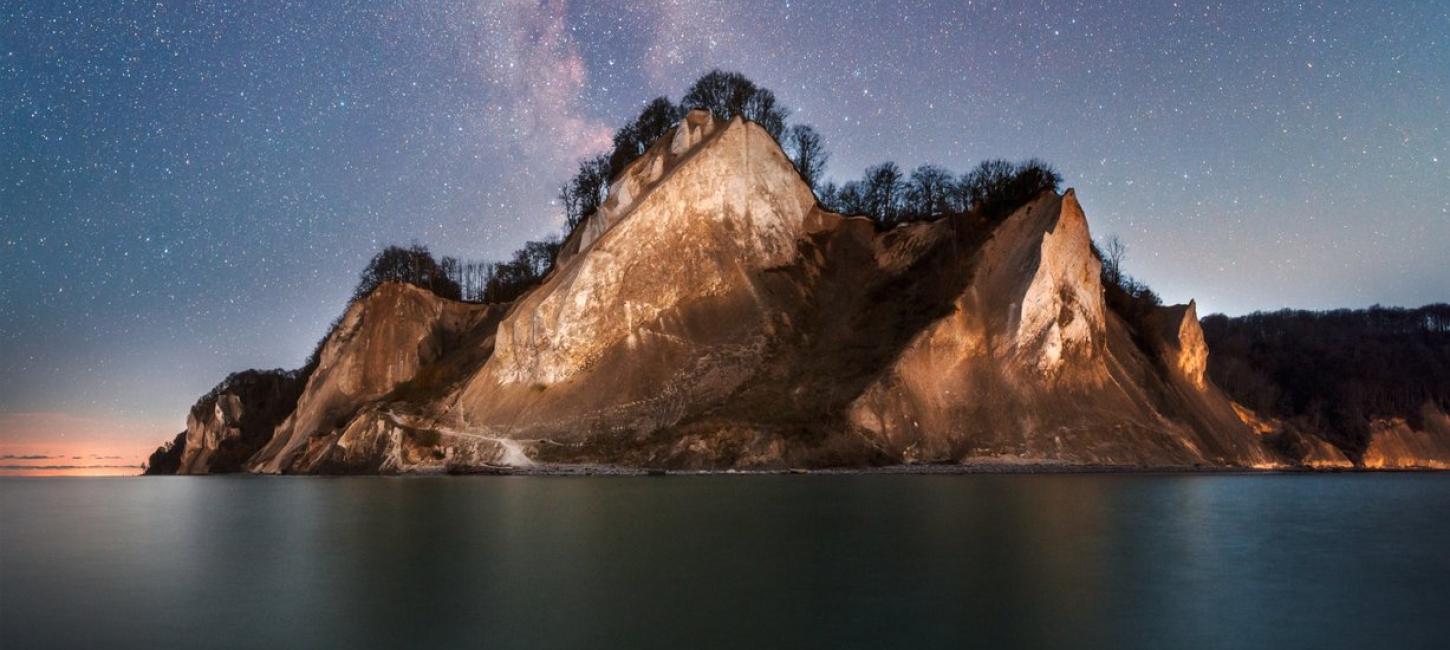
x=1396 y=445
x=712 y=315
x=714 y=202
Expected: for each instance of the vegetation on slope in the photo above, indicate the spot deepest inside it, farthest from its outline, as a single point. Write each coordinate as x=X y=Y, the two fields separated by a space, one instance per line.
x=413 y=265
x=1126 y=296
x=991 y=191
x=1333 y=372
x=166 y=459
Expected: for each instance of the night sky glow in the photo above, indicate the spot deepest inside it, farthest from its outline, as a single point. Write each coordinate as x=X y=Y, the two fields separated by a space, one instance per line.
x=190 y=189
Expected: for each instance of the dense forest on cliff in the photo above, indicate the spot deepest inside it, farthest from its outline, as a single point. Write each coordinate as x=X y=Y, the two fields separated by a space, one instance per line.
x=1335 y=371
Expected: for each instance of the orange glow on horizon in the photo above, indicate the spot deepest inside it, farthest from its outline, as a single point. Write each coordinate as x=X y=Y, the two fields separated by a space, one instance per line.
x=91 y=471
x=62 y=444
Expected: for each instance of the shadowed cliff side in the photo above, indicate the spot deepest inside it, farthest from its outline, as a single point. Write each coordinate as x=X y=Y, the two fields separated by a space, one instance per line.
x=227 y=426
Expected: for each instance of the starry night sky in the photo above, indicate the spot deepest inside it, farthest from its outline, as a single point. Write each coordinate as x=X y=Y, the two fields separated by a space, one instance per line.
x=188 y=189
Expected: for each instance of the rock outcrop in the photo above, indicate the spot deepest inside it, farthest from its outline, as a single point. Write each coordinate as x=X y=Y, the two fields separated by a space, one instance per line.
x=1029 y=365
x=227 y=426
x=381 y=342
x=1394 y=444
x=712 y=315
x=665 y=307
x=1182 y=344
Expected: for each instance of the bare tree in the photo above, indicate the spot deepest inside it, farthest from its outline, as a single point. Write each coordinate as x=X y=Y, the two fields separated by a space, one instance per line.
x=928 y=193
x=1113 y=252
x=807 y=152
x=994 y=188
x=727 y=94
x=413 y=265
x=630 y=142
x=882 y=192
x=586 y=191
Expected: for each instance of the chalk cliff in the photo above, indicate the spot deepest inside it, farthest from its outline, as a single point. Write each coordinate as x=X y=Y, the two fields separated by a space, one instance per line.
x=227 y=426
x=712 y=315
x=1394 y=444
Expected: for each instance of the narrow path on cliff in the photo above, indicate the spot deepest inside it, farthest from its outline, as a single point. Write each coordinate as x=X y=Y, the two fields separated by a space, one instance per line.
x=513 y=451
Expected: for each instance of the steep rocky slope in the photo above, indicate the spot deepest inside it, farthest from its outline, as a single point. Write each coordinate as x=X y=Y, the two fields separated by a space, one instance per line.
x=1030 y=365
x=380 y=345
x=712 y=315
x=227 y=426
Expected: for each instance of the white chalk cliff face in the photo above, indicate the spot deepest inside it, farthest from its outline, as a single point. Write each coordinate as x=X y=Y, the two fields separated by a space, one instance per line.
x=227 y=426
x=712 y=315
x=674 y=335
x=1031 y=366
x=1061 y=324
x=205 y=431
x=381 y=341
x=661 y=307
x=1183 y=344
x=683 y=223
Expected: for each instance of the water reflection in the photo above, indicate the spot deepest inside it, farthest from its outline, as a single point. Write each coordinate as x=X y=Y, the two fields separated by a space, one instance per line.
x=840 y=561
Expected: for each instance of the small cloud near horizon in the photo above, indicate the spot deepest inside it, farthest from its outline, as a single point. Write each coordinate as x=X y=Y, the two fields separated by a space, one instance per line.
x=54 y=435
x=12 y=468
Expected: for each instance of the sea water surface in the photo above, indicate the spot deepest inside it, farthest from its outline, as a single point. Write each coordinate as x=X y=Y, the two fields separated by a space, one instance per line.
x=840 y=561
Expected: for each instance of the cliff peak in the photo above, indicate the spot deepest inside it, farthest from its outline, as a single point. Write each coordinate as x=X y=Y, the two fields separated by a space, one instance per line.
x=1062 y=321
x=1179 y=340
x=682 y=223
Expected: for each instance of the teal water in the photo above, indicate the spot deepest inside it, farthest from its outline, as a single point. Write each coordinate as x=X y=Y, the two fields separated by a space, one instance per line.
x=869 y=561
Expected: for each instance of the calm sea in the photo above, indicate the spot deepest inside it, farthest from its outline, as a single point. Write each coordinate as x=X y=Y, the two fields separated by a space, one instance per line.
x=869 y=561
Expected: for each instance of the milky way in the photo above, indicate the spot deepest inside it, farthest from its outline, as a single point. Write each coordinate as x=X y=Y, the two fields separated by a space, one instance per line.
x=188 y=190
